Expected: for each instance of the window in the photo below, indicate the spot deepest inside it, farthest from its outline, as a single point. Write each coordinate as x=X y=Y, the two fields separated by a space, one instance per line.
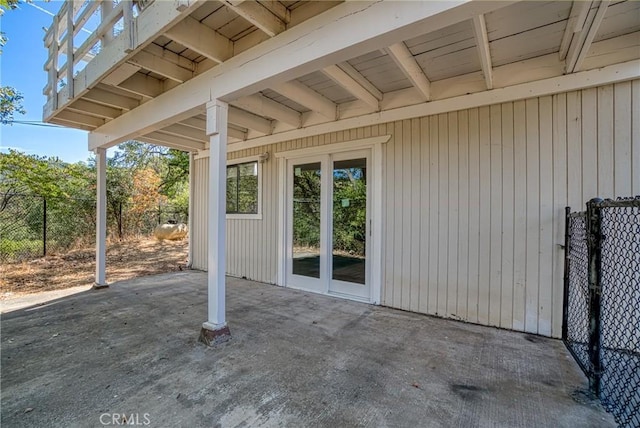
x=243 y=190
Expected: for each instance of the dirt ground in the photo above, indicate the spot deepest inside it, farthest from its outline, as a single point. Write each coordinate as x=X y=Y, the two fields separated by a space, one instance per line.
x=125 y=260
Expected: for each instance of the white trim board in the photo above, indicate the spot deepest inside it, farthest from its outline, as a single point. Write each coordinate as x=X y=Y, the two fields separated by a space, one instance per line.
x=571 y=82
x=332 y=148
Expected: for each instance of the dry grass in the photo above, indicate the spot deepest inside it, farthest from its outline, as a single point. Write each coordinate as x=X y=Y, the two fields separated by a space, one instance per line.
x=125 y=260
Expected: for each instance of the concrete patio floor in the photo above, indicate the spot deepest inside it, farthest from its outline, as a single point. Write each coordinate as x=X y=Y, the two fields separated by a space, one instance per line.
x=296 y=359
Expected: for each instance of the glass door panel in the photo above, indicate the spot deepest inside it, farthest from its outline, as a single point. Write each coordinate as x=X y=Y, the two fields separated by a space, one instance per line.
x=349 y=220
x=306 y=219
x=328 y=224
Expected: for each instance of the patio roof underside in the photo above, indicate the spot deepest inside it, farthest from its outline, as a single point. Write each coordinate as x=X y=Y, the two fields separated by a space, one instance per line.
x=517 y=43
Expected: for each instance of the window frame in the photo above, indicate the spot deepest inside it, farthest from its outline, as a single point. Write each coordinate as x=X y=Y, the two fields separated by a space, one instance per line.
x=243 y=216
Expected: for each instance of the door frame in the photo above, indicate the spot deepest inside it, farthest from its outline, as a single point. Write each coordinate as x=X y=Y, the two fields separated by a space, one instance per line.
x=377 y=189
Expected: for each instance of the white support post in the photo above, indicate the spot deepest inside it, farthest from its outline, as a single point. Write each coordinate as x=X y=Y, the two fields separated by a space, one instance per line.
x=191 y=195
x=101 y=218
x=215 y=330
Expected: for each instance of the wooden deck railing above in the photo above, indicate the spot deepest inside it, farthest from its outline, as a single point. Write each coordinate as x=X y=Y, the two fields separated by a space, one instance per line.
x=90 y=39
x=67 y=24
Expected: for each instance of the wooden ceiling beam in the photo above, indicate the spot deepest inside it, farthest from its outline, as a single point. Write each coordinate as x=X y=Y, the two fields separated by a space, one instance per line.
x=258 y=15
x=404 y=59
x=263 y=106
x=143 y=85
x=234 y=132
x=358 y=77
x=304 y=95
x=79 y=118
x=93 y=109
x=200 y=123
x=161 y=66
x=120 y=74
x=181 y=143
x=578 y=51
x=202 y=39
x=180 y=130
x=289 y=56
x=249 y=120
x=577 y=18
x=195 y=122
x=482 y=43
x=110 y=99
x=339 y=76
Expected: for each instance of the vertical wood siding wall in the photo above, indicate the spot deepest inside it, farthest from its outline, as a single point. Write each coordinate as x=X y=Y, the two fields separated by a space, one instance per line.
x=473 y=203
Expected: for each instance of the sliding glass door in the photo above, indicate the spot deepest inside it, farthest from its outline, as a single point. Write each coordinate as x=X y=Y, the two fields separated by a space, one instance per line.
x=328 y=224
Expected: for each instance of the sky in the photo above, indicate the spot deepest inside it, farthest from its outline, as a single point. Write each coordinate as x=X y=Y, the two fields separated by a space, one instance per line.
x=21 y=66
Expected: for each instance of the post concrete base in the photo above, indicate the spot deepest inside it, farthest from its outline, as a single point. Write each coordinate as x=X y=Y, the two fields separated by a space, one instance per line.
x=212 y=335
x=97 y=286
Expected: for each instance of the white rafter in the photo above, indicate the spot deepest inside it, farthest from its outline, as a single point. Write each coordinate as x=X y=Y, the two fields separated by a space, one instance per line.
x=249 y=120
x=171 y=144
x=482 y=42
x=200 y=123
x=161 y=66
x=547 y=86
x=304 y=95
x=236 y=132
x=202 y=39
x=143 y=85
x=258 y=15
x=289 y=56
x=180 y=130
x=195 y=122
x=80 y=119
x=263 y=106
x=358 y=77
x=160 y=138
x=120 y=74
x=579 y=11
x=403 y=57
x=93 y=109
x=110 y=99
x=582 y=41
x=339 y=76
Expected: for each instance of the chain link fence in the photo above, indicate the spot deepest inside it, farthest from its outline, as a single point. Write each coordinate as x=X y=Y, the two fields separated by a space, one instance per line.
x=32 y=226
x=602 y=302
x=577 y=296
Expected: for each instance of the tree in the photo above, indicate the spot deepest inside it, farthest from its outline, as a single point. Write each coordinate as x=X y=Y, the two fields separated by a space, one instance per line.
x=37 y=175
x=26 y=182
x=10 y=104
x=8 y=4
x=10 y=98
x=172 y=166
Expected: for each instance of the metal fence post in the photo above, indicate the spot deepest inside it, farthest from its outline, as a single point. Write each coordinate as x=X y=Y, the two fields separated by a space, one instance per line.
x=594 y=242
x=567 y=265
x=44 y=227
x=120 y=220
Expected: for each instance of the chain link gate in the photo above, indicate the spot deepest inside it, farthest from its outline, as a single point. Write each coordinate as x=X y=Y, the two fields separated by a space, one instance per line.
x=601 y=317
